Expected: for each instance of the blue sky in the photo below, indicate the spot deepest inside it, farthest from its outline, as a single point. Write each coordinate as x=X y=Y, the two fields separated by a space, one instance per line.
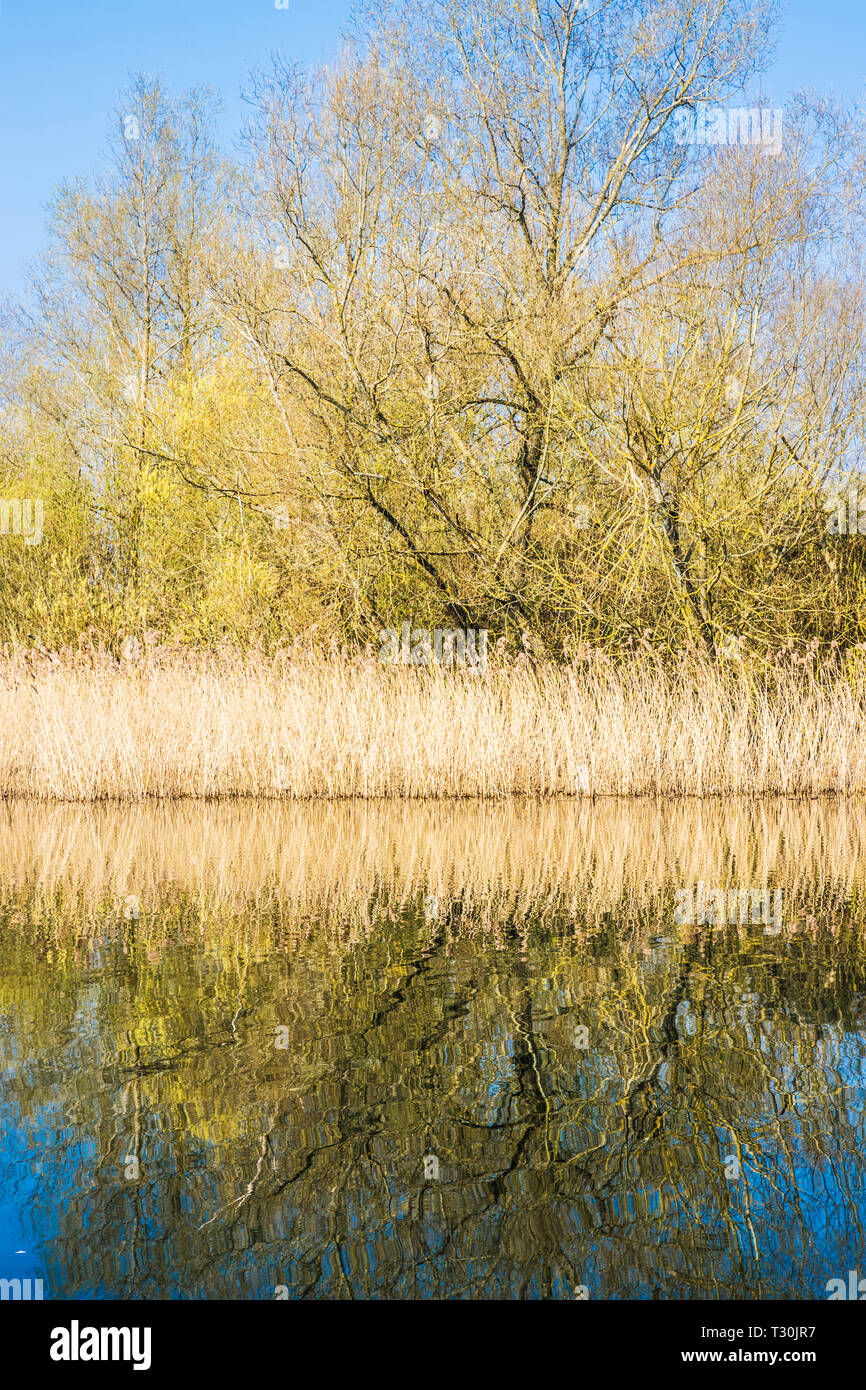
x=63 y=64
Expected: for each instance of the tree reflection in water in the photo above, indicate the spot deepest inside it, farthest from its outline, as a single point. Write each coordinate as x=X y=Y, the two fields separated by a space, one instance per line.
x=241 y=1085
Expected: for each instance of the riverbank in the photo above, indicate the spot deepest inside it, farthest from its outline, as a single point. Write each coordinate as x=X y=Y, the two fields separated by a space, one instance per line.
x=168 y=722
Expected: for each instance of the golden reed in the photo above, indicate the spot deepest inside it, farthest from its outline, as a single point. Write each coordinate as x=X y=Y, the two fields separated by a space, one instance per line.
x=166 y=722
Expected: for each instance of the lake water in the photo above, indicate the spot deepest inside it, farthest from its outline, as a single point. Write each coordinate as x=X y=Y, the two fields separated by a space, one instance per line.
x=433 y=1051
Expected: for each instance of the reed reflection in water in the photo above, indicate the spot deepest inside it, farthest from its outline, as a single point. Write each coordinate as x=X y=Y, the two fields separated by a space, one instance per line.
x=430 y=1051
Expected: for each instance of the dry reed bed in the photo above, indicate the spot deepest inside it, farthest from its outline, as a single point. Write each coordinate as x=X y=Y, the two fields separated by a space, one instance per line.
x=86 y=726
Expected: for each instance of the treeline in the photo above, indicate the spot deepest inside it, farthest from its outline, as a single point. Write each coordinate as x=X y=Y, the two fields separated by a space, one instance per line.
x=467 y=335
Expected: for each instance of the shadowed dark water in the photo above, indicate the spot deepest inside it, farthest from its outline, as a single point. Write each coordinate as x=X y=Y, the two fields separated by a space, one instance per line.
x=355 y=1052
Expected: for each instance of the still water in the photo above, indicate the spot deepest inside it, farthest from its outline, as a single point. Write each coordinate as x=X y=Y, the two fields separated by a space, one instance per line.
x=449 y=1051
